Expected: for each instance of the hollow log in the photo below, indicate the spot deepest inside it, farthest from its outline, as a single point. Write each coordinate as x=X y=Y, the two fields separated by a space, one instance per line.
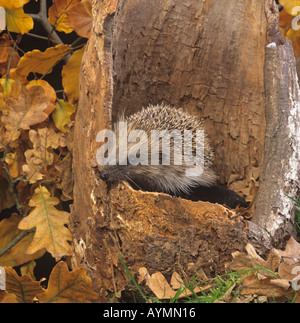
x=207 y=57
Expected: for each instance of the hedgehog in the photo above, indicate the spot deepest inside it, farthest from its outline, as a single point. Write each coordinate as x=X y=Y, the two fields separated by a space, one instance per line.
x=139 y=157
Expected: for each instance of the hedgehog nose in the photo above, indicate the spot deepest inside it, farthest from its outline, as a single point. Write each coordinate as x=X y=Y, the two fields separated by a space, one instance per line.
x=104 y=176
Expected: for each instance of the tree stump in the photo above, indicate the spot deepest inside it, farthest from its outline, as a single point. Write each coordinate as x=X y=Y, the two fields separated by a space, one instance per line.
x=207 y=57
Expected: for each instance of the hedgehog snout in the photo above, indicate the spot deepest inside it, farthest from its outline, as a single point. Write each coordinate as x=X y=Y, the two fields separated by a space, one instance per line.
x=104 y=175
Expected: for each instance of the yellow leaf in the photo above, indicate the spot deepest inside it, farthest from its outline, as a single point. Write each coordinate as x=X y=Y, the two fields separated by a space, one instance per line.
x=58 y=17
x=16 y=255
x=51 y=232
x=17 y=21
x=24 y=288
x=9 y=4
x=41 y=62
x=80 y=16
x=70 y=75
x=68 y=287
x=61 y=115
x=290 y=5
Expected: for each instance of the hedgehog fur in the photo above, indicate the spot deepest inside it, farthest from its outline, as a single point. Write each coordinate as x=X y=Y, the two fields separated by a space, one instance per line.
x=169 y=178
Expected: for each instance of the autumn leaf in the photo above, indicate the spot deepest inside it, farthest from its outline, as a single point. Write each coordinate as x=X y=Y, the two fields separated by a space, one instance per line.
x=12 y=163
x=9 y=88
x=62 y=114
x=24 y=288
x=17 y=21
x=57 y=15
x=80 y=16
x=16 y=255
x=5 y=47
x=9 y=4
x=49 y=90
x=30 y=108
x=51 y=232
x=40 y=62
x=290 y=6
x=68 y=287
x=70 y=75
x=42 y=154
x=161 y=288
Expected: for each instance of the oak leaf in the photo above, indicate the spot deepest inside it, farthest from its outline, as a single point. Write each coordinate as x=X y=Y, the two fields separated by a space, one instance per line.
x=16 y=255
x=24 y=288
x=68 y=287
x=70 y=75
x=42 y=155
x=49 y=222
x=30 y=108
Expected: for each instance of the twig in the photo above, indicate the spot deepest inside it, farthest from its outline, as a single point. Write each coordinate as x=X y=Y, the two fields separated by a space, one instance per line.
x=42 y=18
x=15 y=241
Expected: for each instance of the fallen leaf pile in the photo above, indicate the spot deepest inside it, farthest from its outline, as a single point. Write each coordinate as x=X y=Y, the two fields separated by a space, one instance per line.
x=273 y=279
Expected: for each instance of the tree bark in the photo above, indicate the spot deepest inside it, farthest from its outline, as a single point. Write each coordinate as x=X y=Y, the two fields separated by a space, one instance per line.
x=280 y=172
x=204 y=56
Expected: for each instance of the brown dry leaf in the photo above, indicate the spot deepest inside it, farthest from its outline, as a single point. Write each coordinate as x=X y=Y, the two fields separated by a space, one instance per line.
x=70 y=75
x=261 y=285
x=30 y=108
x=289 y=269
x=40 y=62
x=42 y=153
x=49 y=222
x=161 y=288
x=24 y=288
x=242 y=261
x=81 y=19
x=66 y=183
x=5 y=47
x=291 y=254
x=68 y=287
x=57 y=15
x=49 y=90
x=16 y=255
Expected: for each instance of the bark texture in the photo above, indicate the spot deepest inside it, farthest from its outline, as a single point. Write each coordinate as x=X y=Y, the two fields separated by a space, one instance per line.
x=281 y=169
